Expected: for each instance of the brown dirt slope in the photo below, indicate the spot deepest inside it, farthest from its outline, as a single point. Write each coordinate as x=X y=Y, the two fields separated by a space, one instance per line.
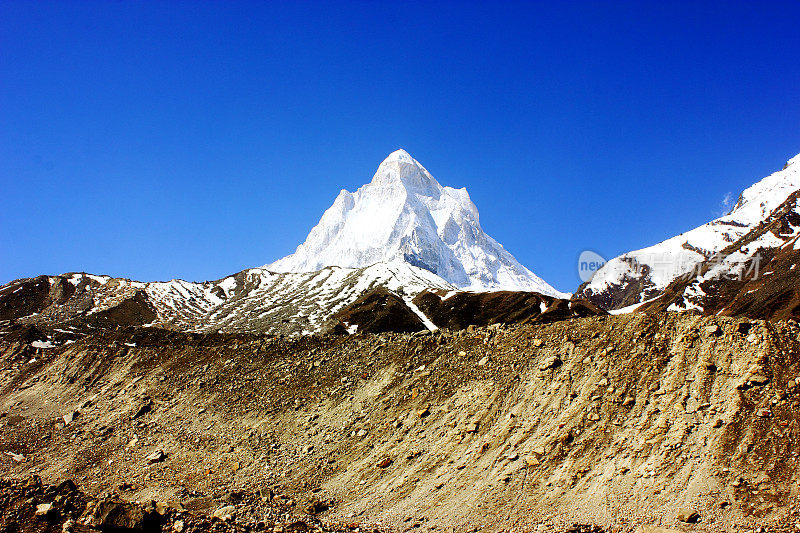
x=621 y=421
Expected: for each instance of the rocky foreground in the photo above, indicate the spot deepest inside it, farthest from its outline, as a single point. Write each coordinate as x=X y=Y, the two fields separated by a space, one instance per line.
x=650 y=422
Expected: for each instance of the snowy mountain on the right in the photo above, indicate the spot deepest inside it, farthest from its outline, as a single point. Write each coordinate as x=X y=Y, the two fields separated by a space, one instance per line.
x=744 y=263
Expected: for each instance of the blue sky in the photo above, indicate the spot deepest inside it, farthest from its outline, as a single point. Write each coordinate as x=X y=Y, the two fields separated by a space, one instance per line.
x=155 y=140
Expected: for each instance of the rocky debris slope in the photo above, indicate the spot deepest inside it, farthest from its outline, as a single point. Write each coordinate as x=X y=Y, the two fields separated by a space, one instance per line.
x=405 y=215
x=33 y=506
x=725 y=246
x=671 y=420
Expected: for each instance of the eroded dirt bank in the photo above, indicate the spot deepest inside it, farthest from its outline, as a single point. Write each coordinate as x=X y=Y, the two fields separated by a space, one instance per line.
x=619 y=421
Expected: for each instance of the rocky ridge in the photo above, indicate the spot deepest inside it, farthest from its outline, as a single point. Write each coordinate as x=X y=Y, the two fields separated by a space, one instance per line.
x=254 y=300
x=706 y=269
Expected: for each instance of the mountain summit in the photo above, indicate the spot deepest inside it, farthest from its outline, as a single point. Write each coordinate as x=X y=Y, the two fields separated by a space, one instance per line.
x=405 y=215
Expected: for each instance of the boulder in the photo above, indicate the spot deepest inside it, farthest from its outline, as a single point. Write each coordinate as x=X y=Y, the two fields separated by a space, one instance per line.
x=688 y=516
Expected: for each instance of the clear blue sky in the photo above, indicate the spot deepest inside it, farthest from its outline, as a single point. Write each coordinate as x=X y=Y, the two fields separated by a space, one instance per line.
x=192 y=139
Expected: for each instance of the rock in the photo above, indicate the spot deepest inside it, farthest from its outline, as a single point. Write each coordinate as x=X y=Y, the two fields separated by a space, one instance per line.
x=758 y=380
x=713 y=329
x=483 y=361
x=603 y=383
x=18 y=457
x=764 y=413
x=316 y=507
x=69 y=417
x=178 y=526
x=146 y=407
x=384 y=463
x=462 y=353
x=551 y=362
x=791 y=384
x=532 y=461
x=361 y=433
x=68 y=526
x=425 y=411
x=512 y=456
x=156 y=457
x=594 y=417
x=752 y=338
x=67 y=487
x=46 y=511
x=225 y=514
x=113 y=515
x=538 y=342
x=717 y=423
x=472 y=427
x=688 y=516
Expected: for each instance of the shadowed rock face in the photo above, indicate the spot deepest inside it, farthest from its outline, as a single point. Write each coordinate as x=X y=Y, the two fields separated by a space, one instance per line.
x=503 y=307
x=52 y=300
x=379 y=311
x=33 y=295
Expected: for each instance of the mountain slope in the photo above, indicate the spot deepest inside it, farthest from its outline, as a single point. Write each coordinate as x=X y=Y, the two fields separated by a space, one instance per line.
x=254 y=300
x=756 y=276
x=405 y=215
x=720 y=248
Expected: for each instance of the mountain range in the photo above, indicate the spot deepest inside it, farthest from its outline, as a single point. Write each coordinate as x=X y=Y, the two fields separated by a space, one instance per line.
x=405 y=253
x=403 y=232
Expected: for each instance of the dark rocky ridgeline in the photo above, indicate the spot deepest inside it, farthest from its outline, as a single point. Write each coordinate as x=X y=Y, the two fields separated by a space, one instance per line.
x=464 y=309
x=49 y=301
x=27 y=296
x=379 y=311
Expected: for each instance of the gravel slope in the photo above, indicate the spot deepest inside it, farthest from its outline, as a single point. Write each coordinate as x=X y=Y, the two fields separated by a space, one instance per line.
x=620 y=421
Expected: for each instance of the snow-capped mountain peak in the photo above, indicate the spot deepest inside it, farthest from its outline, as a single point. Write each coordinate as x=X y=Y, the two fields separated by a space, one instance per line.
x=399 y=169
x=404 y=214
x=641 y=275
